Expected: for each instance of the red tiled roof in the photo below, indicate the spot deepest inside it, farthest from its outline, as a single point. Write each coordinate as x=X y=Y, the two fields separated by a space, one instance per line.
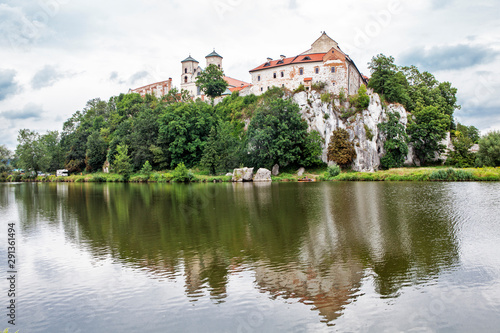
x=235 y=83
x=231 y=89
x=314 y=57
x=307 y=79
x=153 y=84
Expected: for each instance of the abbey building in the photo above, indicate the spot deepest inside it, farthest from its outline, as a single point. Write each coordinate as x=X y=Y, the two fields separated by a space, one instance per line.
x=323 y=63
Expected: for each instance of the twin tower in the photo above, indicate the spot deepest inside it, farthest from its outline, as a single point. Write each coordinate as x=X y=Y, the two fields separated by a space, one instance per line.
x=191 y=69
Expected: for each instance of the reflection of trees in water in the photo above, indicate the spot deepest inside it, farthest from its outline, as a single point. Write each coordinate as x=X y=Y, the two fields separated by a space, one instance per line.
x=307 y=241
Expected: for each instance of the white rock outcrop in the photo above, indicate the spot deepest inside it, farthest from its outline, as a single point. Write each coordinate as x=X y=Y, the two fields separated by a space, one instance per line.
x=362 y=127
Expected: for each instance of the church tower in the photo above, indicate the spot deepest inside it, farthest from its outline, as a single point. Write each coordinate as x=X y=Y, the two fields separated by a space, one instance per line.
x=190 y=70
x=214 y=58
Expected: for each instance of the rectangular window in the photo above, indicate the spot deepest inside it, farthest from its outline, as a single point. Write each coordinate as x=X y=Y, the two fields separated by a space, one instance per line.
x=261 y=89
x=316 y=70
x=333 y=69
x=274 y=75
x=301 y=71
x=282 y=73
x=258 y=78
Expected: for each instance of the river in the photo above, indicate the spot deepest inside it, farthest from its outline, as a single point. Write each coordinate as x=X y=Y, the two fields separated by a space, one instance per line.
x=281 y=257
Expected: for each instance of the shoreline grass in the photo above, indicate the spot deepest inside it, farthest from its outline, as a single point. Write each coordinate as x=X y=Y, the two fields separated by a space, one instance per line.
x=319 y=174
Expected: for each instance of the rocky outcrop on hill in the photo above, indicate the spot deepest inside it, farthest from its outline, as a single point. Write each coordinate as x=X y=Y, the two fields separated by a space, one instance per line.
x=325 y=117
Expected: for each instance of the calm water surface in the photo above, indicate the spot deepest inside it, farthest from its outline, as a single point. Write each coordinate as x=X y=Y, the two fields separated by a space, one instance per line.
x=290 y=257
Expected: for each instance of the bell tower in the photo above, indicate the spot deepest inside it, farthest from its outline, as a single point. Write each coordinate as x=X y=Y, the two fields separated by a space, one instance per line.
x=214 y=58
x=190 y=70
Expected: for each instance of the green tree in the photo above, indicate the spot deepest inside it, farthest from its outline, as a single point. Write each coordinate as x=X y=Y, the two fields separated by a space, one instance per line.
x=341 y=149
x=276 y=134
x=143 y=134
x=396 y=142
x=222 y=150
x=463 y=138
x=96 y=152
x=146 y=168
x=312 y=149
x=489 y=150
x=427 y=129
x=361 y=100
x=31 y=151
x=5 y=157
x=410 y=87
x=121 y=164
x=183 y=131
x=181 y=173
x=53 y=150
x=211 y=156
x=383 y=69
x=211 y=81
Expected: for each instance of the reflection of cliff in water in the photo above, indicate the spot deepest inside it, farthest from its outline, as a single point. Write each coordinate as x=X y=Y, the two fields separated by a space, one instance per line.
x=313 y=242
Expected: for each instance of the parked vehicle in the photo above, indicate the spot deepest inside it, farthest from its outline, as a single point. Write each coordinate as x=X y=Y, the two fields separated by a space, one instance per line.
x=62 y=173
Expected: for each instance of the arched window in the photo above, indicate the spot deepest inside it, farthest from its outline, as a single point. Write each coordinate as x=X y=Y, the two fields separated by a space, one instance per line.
x=185 y=70
x=185 y=79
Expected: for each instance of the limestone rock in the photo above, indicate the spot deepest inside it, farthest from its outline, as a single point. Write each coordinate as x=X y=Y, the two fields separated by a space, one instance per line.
x=301 y=171
x=243 y=175
x=276 y=170
x=229 y=174
x=262 y=175
x=324 y=117
x=105 y=167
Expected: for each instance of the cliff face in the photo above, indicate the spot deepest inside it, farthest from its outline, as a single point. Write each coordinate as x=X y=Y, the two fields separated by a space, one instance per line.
x=362 y=126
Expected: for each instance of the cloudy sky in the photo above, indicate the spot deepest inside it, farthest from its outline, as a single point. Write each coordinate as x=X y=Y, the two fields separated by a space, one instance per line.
x=55 y=55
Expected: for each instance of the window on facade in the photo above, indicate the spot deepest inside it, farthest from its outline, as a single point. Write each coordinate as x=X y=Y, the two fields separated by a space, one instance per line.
x=274 y=75
x=283 y=85
x=258 y=78
x=185 y=79
x=301 y=71
x=306 y=58
x=316 y=70
x=333 y=69
x=282 y=73
x=218 y=65
x=198 y=91
x=261 y=89
x=185 y=70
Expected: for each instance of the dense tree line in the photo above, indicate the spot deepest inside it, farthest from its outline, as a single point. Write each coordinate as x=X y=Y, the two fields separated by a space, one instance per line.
x=131 y=132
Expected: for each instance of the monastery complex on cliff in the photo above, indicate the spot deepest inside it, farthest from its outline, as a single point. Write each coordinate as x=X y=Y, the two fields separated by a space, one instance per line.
x=323 y=62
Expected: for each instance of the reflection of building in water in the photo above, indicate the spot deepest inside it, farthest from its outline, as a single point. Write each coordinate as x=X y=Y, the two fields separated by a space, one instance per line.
x=328 y=289
x=203 y=269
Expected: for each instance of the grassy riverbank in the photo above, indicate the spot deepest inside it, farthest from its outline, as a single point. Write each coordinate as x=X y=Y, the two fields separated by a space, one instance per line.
x=319 y=174
x=424 y=174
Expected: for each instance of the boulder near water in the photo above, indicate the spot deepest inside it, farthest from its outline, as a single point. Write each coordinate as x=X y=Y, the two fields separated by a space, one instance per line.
x=262 y=175
x=243 y=175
